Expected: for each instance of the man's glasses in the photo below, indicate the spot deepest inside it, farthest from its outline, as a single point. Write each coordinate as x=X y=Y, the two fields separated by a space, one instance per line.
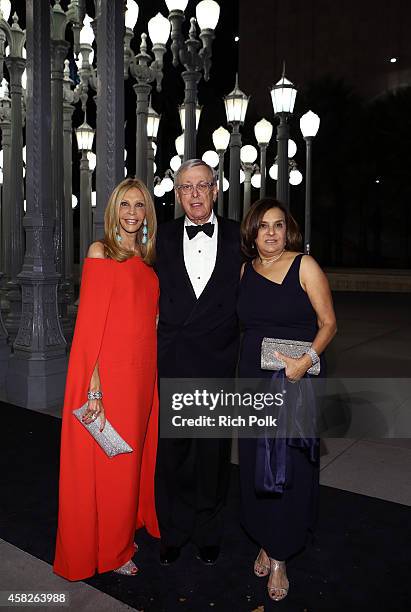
x=201 y=187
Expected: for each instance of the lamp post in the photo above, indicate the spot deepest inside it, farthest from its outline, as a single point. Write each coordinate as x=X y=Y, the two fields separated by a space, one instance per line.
x=5 y=127
x=153 y=122
x=309 y=125
x=195 y=55
x=263 y=131
x=180 y=145
x=236 y=104
x=145 y=69
x=283 y=96
x=85 y=137
x=221 y=139
x=248 y=155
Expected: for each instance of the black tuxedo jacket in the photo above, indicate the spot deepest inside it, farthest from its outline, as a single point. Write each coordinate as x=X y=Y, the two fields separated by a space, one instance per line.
x=198 y=338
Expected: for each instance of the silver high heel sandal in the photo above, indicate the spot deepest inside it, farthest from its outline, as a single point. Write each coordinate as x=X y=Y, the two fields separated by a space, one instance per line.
x=272 y=590
x=260 y=568
x=128 y=569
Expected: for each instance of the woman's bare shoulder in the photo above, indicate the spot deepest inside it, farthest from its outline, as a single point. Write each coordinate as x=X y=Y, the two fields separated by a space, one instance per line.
x=96 y=250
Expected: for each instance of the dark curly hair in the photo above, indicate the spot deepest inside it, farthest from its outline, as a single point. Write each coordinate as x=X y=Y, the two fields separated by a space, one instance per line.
x=251 y=224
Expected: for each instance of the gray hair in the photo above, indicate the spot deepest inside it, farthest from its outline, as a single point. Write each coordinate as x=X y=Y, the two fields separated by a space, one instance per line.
x=193 y=163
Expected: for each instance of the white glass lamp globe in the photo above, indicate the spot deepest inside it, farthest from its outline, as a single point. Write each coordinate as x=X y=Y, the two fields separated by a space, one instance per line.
x=226 y=184
x=92 y=160
x=292 y=148
x=176 y=5
x=86 y=32
x=263 y=131
x=74 y=201
x=93 y=199
x=221 y=139
x=159 y=190
x=167 y=184
x=273 y=172
x=295 y=177
x=207 y=13
x=175 y=163
x=131 y=14
x=309 y=124
x=210 y=158
x=159 y=29
x=256 y=180
x=242 y=176
x=248 y=154
x=179 y=142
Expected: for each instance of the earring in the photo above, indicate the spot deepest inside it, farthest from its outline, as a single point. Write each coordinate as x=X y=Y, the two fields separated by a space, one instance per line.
x=145 y=232
x=118 y=237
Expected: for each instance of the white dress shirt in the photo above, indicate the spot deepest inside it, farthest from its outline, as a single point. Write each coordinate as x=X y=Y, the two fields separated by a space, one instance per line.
x=200 y=255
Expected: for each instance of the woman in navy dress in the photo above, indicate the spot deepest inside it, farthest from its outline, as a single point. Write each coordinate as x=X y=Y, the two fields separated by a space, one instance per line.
x=283 y=294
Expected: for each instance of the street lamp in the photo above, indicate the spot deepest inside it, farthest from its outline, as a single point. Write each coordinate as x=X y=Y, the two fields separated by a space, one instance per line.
x=210 y=158
x=182 y=113
x=194 y=55
x=283 y=96
x=309 y=125
x=263 y=131
x=236 y=104
x=248 y=155
x=221 y=139
x=85 y=137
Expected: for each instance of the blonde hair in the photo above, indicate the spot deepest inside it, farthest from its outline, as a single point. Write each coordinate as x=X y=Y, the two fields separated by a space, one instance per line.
x=112 y=247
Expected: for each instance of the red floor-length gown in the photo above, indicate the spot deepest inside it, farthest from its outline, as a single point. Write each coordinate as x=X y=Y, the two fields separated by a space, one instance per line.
x=104 y=500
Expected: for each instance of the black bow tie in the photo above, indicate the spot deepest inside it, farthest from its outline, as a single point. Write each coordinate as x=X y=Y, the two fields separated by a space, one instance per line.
x=207 y=228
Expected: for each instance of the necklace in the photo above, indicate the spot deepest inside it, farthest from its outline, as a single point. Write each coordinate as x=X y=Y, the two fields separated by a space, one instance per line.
x=271 y=259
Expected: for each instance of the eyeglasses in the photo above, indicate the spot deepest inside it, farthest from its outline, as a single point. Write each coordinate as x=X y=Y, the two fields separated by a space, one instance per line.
x=201 y=187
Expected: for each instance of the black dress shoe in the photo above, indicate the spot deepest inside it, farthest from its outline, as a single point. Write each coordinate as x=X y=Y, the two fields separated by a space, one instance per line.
x=208 y=554
x=169 y=554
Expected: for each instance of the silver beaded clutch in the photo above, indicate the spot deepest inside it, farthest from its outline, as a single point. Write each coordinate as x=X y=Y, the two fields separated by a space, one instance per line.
x=289 y=348
x=109 y=439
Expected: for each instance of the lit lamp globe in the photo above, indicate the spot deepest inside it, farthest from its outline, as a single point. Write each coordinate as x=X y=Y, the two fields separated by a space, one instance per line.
x=159 y=29
x=154 y=167
x=175 y=163
x=86 y=32
x=154 y=146
x=176 y=5
x=167 y=184
x=309 y=124
x=74 y=201
x=221 y=139
x=5 y=8
x=85 y=137
x=207 y=13
x=159 y=190
x=179 y=142
x=273 y=172
x=283 y=96
x=92 y=160
x=93 y=199
x=263 y=131
x=236 y=104
x=24 y=153
x=211 y=158
x=1 y=176
x=256 y=180
x=131 y=14
x=24 y=79
x=248 y=154
x=295 y=177
x=242 y=176
x=226 y=184
x=292 y=148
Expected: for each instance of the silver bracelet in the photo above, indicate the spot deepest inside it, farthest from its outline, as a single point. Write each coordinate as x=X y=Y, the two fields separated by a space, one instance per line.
x=94 y=395
x=313 y=355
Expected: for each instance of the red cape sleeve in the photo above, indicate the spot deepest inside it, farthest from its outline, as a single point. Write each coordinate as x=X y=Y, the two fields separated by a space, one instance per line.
x=95 y=294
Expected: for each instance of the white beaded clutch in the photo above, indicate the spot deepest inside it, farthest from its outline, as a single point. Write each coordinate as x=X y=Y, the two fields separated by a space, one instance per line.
x=289 y=348
x=109 y=439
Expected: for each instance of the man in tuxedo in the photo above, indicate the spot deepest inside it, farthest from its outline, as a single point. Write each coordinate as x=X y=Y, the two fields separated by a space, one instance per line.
x=198 y=264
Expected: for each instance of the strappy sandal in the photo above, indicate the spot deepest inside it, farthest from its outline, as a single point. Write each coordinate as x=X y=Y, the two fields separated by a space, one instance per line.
x=128 y=569
x=260 y=568
x=277 y=593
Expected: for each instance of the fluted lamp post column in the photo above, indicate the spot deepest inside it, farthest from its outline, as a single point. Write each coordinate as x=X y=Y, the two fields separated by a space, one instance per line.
x=236 y=104
x=283 y=96
x=195 y=55
x=145 y=70
x=153 y=122
x=263 y=131
x=85 y=137
x=5 y=127
x=309 y=125
x=248 y=155
x=221 y=139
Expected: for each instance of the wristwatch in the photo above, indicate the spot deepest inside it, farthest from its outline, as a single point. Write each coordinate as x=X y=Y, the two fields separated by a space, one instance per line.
x=313 y=355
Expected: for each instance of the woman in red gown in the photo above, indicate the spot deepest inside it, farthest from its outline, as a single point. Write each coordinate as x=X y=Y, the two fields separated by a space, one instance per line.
x=103 y=500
